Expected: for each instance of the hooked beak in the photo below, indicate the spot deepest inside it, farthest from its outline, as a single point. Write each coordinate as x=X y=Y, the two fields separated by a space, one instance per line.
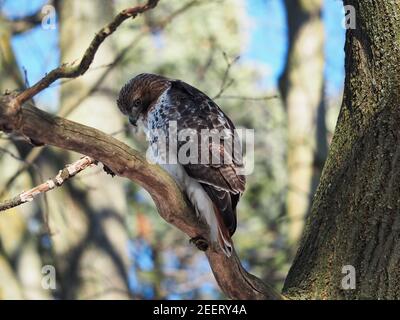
x=134 y=116
x=133 y=120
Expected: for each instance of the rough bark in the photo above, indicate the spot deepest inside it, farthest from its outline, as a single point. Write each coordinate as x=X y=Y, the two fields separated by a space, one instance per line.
x=301 y=87
x=355 y=217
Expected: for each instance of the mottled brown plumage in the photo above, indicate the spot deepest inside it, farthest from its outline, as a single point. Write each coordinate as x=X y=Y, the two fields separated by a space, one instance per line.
x=156 y=101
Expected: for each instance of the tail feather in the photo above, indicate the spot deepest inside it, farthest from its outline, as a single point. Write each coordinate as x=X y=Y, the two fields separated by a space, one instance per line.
x=224 y=239
x=226 y=203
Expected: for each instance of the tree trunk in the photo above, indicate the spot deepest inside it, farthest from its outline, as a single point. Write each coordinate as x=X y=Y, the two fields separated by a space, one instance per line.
x=355 y=217
x=301 y=86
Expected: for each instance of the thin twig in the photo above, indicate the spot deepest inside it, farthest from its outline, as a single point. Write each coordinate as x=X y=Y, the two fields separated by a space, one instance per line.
x=11 y=154
x=120 y=57
x=28 y=162
x=158 y=26
x=68 y=172
x=70 y=71
x=226 y=82
x=248 y=98
x=24 y=161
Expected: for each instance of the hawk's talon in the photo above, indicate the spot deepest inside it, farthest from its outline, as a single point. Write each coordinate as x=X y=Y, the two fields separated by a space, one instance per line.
x=35 y=143
x=200 y=243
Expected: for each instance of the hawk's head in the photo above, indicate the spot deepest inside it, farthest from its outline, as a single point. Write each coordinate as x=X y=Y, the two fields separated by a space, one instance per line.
x=142 y=91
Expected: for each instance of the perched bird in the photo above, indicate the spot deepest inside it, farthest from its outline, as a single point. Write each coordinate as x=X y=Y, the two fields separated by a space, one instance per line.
x=213 y=187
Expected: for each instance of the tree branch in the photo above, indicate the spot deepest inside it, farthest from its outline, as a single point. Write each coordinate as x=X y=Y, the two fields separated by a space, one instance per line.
x=171 y=203
x=226 y=82
x=234 y=97
x=68 y=172
x=70 y=71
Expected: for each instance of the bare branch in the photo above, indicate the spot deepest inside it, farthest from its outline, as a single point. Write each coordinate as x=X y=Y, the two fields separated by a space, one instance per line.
x=68 y=172
x=176 y=13
x=248 y=98
x=27 y=163
x=66 y=110
x=11 y=154
x=226 y=82
x=70 y=71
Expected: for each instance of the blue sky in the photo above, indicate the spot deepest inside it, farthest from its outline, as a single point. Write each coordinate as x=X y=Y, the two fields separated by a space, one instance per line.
x=268 y=42
x=37 y=50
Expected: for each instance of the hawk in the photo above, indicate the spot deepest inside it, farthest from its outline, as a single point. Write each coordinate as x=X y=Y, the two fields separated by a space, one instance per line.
x=214 y=188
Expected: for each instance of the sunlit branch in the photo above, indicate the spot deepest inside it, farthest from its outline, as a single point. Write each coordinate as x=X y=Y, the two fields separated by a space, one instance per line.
x=68 y=172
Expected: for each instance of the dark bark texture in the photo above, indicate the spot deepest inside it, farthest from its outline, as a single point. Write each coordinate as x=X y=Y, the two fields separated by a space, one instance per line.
x=355 y=217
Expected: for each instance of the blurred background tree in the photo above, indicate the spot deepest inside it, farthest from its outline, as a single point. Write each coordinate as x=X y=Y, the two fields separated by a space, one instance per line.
x=103 y=235
x=304 y=101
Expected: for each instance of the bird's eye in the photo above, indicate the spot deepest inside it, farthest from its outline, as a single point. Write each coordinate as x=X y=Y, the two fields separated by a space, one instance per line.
x=137 y=102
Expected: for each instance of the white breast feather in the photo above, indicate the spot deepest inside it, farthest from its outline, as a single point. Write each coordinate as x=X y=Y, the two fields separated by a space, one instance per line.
x=193 y=189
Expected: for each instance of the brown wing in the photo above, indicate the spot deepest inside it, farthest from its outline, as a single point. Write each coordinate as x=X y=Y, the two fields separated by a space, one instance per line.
x=220 y=179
